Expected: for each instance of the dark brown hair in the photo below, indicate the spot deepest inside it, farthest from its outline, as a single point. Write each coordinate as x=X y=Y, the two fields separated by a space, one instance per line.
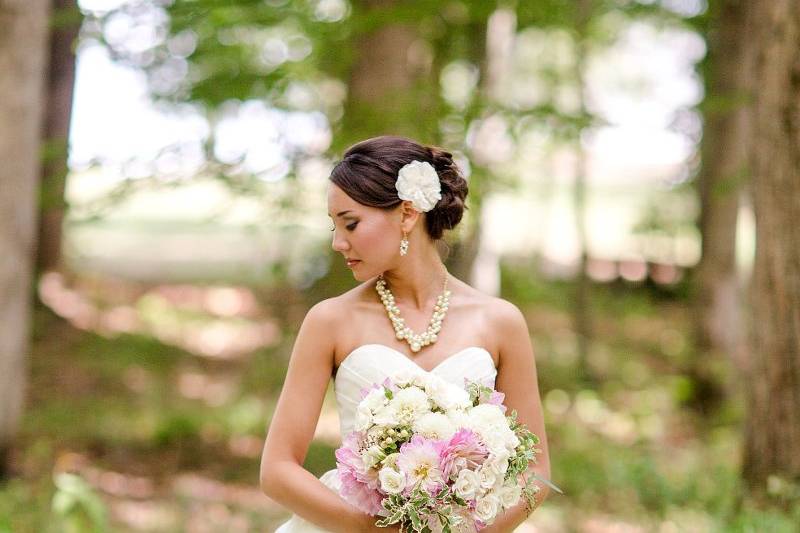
x=368 y=171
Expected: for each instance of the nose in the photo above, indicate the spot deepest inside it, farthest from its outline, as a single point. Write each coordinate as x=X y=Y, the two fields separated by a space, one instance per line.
x=339 y=244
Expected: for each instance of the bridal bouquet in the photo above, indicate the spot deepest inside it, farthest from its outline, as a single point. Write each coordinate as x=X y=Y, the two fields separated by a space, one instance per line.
x=431 y=456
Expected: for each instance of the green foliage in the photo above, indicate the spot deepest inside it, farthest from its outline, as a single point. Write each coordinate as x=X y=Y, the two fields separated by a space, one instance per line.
x=77 y=505
x=177 y=429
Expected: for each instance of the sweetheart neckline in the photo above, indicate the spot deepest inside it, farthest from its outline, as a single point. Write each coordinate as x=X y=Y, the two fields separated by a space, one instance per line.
x=404 y=356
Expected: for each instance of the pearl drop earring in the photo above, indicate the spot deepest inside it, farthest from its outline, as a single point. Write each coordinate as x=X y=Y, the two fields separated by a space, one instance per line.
x=404 y=244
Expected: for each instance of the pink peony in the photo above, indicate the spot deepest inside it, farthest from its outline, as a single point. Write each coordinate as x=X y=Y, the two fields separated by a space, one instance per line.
x=359 y=483
x=420 y=461
x=465 y=444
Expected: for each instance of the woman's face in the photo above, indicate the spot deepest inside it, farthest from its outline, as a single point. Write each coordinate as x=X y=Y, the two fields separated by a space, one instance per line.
x=369 y=235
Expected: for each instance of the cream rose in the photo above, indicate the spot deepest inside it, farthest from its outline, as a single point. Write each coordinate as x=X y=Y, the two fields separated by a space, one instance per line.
x=488 y=477
x=509 y=495
x=467 y=484
x=486 y=508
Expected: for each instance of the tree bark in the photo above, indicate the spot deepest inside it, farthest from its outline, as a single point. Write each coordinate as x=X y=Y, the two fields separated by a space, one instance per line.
x=389 y=78
x=581 y=308
x=724 y=154
x=772 y=433
x=718 y=323
x=23 y=46
x=60 y=84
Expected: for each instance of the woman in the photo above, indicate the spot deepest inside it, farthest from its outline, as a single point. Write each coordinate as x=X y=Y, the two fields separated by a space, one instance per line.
x=390 y=199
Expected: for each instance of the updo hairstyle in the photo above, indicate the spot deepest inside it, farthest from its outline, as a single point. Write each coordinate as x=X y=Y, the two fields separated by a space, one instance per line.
x=368 y=171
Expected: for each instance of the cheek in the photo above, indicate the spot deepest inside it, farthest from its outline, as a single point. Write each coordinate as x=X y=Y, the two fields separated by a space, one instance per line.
x=372 y=236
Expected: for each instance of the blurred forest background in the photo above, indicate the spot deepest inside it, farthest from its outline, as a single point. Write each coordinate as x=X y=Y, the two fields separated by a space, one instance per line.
x=634 y=171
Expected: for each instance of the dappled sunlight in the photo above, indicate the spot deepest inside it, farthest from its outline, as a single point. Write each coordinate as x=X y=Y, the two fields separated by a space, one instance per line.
x=246 y=446
x=107 y=481
x=145 y=515
x=190 y=501
x=202 y=489
x=213 y=322
x=214 y=390
x=602 y=524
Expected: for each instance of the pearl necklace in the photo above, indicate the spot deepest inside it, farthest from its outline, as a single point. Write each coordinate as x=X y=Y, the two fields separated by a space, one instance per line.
x=417 y=341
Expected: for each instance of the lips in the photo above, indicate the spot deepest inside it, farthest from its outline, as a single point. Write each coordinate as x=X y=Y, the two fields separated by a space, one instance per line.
x=351 y=262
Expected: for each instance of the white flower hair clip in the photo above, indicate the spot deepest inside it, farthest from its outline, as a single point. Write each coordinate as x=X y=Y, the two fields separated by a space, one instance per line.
x=418 y=181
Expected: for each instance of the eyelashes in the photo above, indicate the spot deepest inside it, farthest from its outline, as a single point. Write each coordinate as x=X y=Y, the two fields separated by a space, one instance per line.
x=351 y=227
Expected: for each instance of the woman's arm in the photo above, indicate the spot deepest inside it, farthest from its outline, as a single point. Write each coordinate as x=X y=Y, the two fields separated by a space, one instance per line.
x=517 y=379
x=283 y=477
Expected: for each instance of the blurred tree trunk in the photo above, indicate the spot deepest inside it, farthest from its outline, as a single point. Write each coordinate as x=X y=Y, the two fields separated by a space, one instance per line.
x=490 y=45
x=23 y=50
x=772 y=433
x=393 y=88
x=60 y=82
x=390 y=86
x=724 y=167
x=387 y=81
x=581 y=308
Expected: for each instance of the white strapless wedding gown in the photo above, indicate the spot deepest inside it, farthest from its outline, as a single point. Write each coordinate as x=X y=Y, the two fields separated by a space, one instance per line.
x=372 y=363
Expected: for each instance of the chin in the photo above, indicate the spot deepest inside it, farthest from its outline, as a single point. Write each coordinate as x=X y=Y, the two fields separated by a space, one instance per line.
x=362 y=275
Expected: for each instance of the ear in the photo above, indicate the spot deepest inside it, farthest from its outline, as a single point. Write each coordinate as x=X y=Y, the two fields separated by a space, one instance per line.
x=408 y=216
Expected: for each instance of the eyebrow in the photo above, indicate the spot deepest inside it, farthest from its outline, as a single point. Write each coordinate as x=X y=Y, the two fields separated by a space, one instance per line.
x=341 y=213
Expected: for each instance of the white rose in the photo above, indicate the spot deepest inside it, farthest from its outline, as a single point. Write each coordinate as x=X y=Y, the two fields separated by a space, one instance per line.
x=435 y=387
x=509 y=495
x=392 y=482
x=488 y=417
x=453 y=397
x=434 y=426
x=498 y=462
x=493 y=440
x=498 y=468
x=363 y=418
x=410 y=403
x=467 y=484
x=375 y=399
x=459 y=418
x=488 y=477
x=419 y=182
x=386 y=416
x=486 y=508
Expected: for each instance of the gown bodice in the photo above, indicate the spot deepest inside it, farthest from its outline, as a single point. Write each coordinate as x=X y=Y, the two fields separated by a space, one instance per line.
x=372 y=363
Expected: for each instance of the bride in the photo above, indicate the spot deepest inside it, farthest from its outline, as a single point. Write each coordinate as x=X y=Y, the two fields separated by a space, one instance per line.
x=390 y=200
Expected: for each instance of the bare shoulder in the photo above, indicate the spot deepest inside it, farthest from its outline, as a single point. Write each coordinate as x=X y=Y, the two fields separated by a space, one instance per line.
x=321 y=316
x=333 y=308
x=510 y=329
x=502 y=315
x=506 y=316
x=334 y=316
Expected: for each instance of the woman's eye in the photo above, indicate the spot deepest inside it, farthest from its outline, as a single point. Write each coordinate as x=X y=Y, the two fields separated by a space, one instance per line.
x=351 y=227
